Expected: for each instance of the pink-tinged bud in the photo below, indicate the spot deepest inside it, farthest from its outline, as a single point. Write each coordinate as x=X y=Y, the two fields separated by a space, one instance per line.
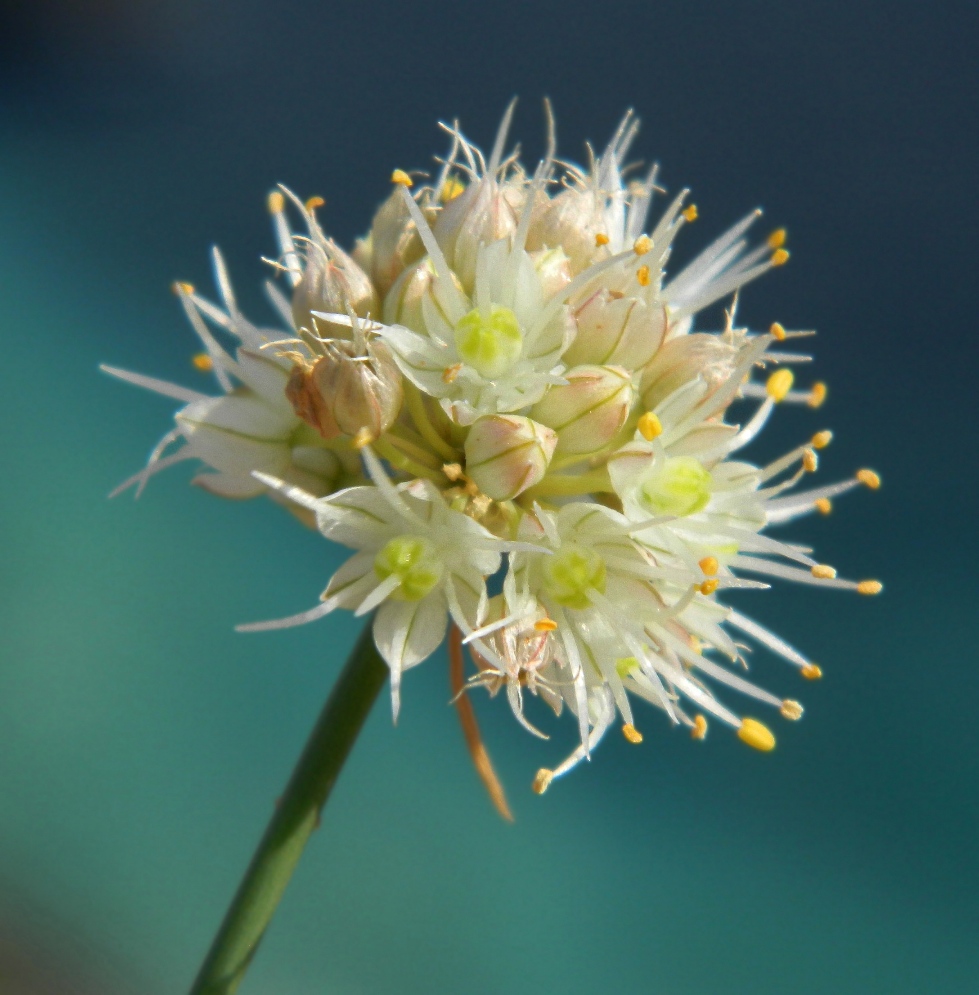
x=617 y=330
x=391 y=245
x=680 y=361
x=356 y=387
x=590 y=410
x=334 y=283
x=572 y=220
x=506 y=454
x=484 y=212
x=553 y=270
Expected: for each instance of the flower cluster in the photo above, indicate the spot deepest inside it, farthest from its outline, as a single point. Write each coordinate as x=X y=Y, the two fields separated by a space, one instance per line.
x=501 y=383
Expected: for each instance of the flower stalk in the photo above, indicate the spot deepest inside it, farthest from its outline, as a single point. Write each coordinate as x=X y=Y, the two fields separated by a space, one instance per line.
x=296 y=815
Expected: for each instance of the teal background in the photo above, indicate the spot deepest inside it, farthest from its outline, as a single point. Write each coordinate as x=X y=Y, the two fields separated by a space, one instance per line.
x=143 y=742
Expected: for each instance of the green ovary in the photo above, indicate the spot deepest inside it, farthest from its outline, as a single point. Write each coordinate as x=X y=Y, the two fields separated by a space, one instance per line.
x=490 y=344
x=677 y=486
x=414 y=561
x=571 y=573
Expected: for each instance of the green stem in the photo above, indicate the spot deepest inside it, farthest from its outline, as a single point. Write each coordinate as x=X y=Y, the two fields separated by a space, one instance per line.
x=296 y=816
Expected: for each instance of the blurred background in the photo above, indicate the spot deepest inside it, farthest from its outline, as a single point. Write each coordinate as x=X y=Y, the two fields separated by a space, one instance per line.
x=143 y=742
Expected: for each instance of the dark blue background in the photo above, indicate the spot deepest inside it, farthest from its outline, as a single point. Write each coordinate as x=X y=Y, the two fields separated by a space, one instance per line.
x=142 y=742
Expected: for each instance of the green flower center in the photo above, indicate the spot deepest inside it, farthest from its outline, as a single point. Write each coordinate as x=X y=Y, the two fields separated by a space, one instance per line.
x=414 y=561
x=571 y=573
x=678 y=485
x=490 y=344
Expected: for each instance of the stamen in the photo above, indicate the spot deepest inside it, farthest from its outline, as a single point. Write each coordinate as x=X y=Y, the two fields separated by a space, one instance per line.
x=642 y=275
x=690 y=213
x=809 y=461
x=780 y=257
x=542 y=780
x=812 y=672
x=545 y=625
x=277 y=203
x=791 y=710
x=756 y=735
x=203 y=362
x=779 y=384
x=777 y=332
x=451 y=372
x=649 y=426
x=631 y=733
x=777 y=238
x=870 y=587
x=601 y=239
x=642 y=245
x=314 y=202
x=709 y=565
x=185 y=288
x=709 y=586
x=817 y=394
x=699 y=730
x=823 y=571
x=869 y=479
x=400 y=177
x=822 y=439
x=823 y=505
x=451 y=189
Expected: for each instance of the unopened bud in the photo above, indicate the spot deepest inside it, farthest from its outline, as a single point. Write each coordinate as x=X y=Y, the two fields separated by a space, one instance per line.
x=356 y=388
x=331 y=282
x=506 y=454
x=680 y=361
x=392 y=244
x=621 y=331
x=574 y=220
x=589 y=410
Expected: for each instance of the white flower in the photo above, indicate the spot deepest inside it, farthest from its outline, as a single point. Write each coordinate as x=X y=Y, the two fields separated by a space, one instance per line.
x=417 y=561
x=249 y=426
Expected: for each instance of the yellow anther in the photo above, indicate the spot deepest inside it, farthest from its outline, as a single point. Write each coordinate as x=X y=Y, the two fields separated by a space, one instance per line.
x=695 y=644
x=709 y=565
x=777 y=238
x=809 y=461
x=649 y=426
x=545 y=625
x=690 y=212
x=601 y=239
x=779 y=384
x=699 y=730
x=401 y=177
x=451 y=189
x=780 y=257
x=823 y=505
x=756 y=735
x=631 y=733
x=183 y=288
x=869 y=479
x=314 y=202
x=812 y=672
x=823 y=571
x=362 y=438
x=642 y=275
x=277 y=203
x=870 y=587
x=203 y=362
x=817 y=394
x=451 y=372
x=709 y=586
x=777 y=331
x=642 y=245
x=791 y=710
x=822 y=439
x=542 y=780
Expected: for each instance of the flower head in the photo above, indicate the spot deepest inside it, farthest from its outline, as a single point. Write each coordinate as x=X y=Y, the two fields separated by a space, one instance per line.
x=504 y=377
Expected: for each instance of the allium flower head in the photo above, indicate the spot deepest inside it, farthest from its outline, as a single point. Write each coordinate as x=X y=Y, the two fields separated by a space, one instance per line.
x=502 y=385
